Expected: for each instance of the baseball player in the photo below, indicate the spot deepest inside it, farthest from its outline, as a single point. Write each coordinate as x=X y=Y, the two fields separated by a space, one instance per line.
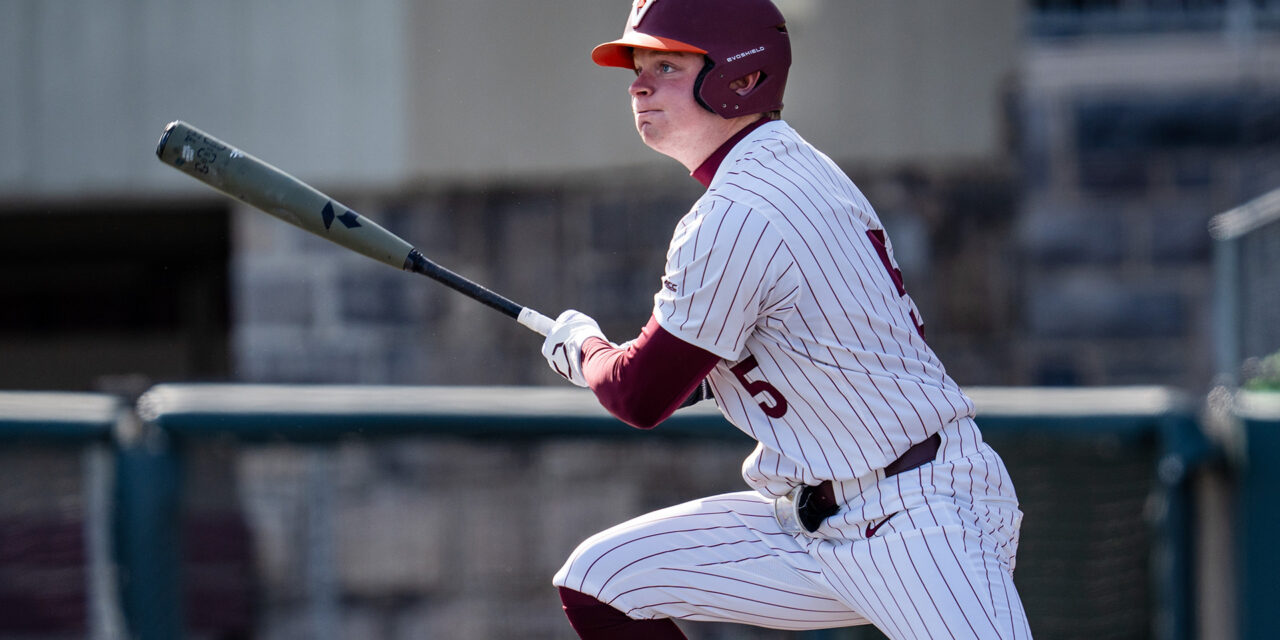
x=874 y=499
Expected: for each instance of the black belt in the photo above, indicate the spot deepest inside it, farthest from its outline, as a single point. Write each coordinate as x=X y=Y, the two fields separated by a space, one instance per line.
x=817 y=503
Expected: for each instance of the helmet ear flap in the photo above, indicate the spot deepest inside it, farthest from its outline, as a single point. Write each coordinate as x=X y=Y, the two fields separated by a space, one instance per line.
x=718 y=96
x=707 y=65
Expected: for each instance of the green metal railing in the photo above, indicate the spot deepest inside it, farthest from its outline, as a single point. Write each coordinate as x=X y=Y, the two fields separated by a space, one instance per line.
x=1141 y=418
x=1051 y=439
x=1246 y=286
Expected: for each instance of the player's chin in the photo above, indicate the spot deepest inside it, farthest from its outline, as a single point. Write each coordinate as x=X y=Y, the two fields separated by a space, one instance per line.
x=648 y=132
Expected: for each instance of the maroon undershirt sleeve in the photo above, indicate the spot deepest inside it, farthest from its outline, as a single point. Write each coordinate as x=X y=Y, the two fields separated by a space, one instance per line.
x=644 y=383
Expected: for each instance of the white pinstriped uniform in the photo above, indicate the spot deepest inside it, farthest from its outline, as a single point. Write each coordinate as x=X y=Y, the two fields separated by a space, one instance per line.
x=783 y=270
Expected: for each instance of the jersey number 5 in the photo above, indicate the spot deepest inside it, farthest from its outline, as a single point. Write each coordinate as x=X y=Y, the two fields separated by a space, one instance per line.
x=776 y=405
x=882 y=249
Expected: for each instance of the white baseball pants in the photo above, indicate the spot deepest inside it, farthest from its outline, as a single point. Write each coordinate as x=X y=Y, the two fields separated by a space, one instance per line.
x=941 y=566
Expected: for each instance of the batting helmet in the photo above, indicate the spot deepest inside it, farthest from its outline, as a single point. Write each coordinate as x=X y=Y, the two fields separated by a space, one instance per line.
x=738 y=37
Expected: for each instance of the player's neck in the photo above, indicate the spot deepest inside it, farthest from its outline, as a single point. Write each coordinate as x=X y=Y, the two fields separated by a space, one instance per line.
x=695 y=153
x=706 y=172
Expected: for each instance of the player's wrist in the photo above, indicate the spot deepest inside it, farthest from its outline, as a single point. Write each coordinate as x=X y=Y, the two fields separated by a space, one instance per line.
x=564 y=344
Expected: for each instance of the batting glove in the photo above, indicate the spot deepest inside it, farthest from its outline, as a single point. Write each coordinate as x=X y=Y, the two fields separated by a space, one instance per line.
x=563 y=346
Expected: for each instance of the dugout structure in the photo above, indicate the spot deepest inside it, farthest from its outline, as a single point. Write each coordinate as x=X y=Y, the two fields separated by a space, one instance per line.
x=405 y=511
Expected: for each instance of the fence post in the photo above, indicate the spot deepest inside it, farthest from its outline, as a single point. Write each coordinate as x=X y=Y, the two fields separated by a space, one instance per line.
x=148 y=546
x=1258 y=518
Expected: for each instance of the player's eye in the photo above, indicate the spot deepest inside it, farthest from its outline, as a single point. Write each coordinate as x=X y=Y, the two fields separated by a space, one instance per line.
x=656 y=67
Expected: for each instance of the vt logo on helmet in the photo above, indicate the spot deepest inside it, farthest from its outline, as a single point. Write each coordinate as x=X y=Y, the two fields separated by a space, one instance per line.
x=738 y=37
x=637 y=14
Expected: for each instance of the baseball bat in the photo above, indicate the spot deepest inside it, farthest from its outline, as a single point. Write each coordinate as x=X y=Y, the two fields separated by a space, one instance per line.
x=269 y=189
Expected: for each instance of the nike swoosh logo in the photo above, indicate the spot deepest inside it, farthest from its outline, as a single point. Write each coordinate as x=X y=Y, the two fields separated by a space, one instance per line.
x=873 y=528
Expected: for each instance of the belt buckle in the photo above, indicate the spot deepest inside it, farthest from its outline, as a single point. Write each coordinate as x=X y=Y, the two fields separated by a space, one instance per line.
x=786 y=510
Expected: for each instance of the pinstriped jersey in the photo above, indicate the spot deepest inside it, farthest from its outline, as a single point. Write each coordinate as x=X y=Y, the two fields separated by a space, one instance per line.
x=783 y=269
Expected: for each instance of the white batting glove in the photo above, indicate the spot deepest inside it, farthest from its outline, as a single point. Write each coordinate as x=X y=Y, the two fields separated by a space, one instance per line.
x=563 y=346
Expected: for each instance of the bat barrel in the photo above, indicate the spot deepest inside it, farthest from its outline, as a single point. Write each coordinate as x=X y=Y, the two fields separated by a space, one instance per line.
x=261 y=185
x=257 y=183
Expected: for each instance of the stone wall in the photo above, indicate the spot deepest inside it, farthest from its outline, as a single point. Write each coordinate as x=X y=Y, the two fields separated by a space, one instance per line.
x=1082 y=257
x=308 y=311
x=1127 y=152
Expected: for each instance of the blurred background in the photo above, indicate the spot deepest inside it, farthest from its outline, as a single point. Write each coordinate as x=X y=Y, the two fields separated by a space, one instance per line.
x=1078 y=192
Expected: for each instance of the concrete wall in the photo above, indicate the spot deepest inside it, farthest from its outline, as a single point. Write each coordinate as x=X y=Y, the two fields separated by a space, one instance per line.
x=88 y=87
x=388 y=92
x=508 y=87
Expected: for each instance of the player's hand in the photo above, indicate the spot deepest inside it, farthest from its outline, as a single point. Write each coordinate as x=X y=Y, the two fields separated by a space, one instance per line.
x=563 y=346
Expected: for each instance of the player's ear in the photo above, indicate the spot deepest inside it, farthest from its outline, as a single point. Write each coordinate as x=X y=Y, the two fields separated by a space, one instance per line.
x=742 y=86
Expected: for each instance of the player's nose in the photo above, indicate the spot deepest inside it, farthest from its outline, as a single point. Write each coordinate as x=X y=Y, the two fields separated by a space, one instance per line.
x=640 y=86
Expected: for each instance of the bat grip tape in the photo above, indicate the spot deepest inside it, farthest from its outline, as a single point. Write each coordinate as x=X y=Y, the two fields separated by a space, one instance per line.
x=536 y=321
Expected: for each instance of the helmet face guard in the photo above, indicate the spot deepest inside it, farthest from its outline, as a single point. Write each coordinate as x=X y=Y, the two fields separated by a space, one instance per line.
x=738 y=37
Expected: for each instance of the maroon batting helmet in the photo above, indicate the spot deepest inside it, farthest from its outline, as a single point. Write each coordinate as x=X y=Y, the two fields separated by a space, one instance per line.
x=738 y=37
